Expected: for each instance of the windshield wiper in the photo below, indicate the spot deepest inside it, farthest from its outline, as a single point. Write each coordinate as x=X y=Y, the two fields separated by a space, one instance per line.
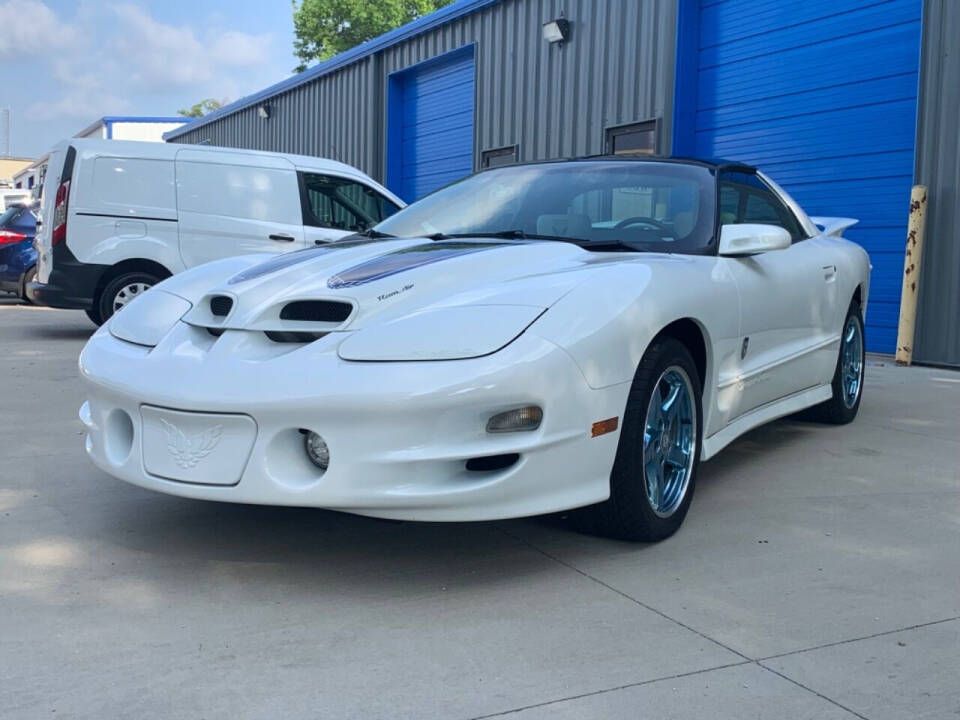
x=374 y=234
x=504 y=235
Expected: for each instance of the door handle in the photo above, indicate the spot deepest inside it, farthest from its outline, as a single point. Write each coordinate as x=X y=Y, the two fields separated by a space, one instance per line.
x=282 y=238
x=829 y=272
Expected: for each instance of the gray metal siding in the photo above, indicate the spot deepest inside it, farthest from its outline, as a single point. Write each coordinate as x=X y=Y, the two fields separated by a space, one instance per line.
x=334 y=118
x=938 y=167
x=552 y=101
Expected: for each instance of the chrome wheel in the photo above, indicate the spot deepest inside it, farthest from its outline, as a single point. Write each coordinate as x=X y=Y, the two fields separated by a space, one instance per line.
x=669 y=441
x=127 y=293
x=851 y=362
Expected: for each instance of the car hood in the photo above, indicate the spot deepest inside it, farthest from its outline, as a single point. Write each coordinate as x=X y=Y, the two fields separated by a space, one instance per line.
x=383 y=280
x=398 y=299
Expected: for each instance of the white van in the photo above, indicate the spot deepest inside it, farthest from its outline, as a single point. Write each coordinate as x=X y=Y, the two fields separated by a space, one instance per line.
x=121 y=216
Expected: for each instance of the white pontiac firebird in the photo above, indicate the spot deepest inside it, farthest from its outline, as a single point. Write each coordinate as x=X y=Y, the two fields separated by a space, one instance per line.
x=534 y=338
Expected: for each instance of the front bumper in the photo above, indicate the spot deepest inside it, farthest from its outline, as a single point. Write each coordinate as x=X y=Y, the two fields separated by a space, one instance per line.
x=399 y=433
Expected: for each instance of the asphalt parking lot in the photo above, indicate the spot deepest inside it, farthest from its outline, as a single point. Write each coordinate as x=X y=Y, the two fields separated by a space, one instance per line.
x=817 y=576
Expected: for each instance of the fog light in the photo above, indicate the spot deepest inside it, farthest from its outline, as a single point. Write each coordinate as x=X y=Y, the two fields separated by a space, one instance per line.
x=520 y=419
x=317 y=450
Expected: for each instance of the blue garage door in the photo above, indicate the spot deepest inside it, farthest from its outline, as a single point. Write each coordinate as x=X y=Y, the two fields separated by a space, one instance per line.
x=822 y=96
x=430 y=125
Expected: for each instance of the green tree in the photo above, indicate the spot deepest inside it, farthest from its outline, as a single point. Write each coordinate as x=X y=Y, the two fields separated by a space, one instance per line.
x=324 y=28
x=202 y=108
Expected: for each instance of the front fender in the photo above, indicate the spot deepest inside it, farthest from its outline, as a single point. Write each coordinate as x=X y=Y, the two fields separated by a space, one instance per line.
x=608 y=321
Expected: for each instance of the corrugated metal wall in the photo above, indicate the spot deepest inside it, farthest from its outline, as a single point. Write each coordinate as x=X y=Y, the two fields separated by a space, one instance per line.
x=334 y=118
x=822 y=96
x=550 y=101
x=938 y=167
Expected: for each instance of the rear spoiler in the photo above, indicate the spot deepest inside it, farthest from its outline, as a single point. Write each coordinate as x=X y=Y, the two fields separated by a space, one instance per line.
x=834 y=225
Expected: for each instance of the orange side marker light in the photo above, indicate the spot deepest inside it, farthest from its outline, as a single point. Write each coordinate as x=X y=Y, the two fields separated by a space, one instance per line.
x=602 y=427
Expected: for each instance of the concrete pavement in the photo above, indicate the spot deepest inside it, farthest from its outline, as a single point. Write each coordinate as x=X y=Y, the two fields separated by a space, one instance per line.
x=817 y=576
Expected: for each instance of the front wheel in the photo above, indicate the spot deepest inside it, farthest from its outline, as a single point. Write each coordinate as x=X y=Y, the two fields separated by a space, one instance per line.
x=653 y=477
x=120 y=291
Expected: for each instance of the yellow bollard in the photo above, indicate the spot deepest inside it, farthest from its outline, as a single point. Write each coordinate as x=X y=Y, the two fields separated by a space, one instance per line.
x=911 y=272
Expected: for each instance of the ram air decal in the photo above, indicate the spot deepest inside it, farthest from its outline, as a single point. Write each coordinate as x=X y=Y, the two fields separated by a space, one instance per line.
x=402 y=260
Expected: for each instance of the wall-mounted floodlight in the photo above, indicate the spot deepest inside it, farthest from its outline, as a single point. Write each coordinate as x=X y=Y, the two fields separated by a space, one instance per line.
x=556 y=30
x=264 y=111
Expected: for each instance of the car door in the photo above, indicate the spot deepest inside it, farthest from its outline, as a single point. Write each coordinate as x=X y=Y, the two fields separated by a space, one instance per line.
x=787 y=300
x=233 y=204
x=335 y=206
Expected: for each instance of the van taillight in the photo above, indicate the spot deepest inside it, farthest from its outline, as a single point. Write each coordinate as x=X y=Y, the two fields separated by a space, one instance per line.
x=59 y=232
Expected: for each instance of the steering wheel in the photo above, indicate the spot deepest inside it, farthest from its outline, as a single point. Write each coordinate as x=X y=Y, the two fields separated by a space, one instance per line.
x=637 y=220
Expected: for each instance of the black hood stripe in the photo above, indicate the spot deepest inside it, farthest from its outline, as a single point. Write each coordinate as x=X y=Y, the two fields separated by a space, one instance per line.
x=406 y=259
x=296 y=257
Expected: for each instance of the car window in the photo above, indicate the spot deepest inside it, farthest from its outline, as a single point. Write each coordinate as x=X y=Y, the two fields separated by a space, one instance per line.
x=745 y=198
x=646 y=206
x=336 y=202
x=9 y=215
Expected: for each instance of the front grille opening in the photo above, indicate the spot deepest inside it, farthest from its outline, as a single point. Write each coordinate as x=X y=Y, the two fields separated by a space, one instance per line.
x=216 y=332
x=287 y=336
x=220 y=305
x=492 y=462
x=316 y=311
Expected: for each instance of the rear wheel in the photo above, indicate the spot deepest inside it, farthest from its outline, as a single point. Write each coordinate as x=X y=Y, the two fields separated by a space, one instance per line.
x=120 y=291
x=28 y=277
x=848 y=375
x=653 y=477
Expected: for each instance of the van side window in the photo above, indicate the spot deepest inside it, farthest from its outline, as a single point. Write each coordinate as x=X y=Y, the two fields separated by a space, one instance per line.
x=335 y=202
x=745 y=198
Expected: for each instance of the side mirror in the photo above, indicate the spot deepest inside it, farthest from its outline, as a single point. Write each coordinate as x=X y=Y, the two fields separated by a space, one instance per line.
x=751 y=239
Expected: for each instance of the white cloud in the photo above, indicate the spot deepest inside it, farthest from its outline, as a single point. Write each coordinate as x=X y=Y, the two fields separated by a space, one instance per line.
x=110 y=54
x=27 y=26
x=164 y=56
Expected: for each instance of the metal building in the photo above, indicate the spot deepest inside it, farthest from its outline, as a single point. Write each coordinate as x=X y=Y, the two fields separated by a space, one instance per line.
x=824 y=95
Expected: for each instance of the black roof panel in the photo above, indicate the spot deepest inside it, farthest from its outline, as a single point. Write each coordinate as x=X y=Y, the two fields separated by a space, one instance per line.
x=715 y=163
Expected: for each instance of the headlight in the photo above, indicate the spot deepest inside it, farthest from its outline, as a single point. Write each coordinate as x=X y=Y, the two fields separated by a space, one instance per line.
x=448 y=333
x=149 y=318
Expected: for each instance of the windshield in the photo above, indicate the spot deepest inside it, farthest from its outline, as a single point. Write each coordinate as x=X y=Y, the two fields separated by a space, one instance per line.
x=8 y=215
x=602 y=205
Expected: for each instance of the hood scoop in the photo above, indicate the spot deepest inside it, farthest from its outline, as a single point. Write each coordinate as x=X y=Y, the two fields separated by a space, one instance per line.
x=221 y=305
x=290 y=321
x=325 y=311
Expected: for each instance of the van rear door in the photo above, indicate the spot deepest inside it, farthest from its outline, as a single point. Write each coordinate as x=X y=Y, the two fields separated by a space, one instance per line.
x=234 y=204
x=41 y=242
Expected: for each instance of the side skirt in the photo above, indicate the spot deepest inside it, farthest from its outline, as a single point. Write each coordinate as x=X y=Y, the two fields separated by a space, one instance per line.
x=764 y=414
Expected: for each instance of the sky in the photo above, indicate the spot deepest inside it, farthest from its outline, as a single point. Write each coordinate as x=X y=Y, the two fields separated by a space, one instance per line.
x=65 y=64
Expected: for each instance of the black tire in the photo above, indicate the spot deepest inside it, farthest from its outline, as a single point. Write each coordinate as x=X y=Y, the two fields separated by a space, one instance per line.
x=836 y=410
x=28 y=277
x=628 y=514
x=106 y=304
x=94 y=315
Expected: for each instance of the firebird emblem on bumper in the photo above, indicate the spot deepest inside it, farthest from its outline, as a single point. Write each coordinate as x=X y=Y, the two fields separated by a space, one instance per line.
x=186 y=450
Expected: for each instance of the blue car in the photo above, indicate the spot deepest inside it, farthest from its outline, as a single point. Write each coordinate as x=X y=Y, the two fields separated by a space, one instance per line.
x=18 y=259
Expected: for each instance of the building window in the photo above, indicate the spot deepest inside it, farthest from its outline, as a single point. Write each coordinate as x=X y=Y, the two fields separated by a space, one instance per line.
x=499 y=157
x=635 y=139
x=30 y=182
